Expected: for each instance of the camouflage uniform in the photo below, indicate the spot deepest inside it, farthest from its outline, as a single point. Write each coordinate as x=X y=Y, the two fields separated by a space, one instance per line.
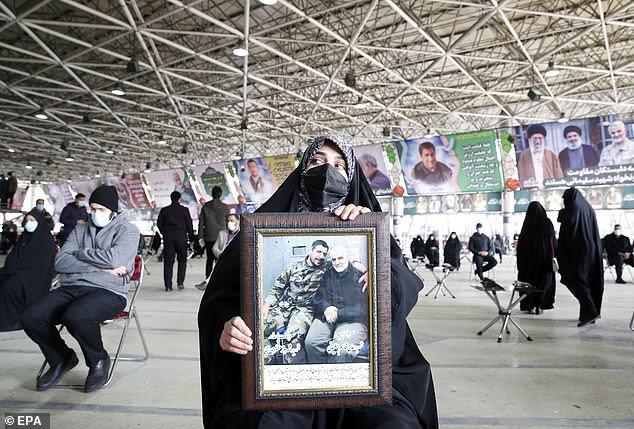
x=290 y=302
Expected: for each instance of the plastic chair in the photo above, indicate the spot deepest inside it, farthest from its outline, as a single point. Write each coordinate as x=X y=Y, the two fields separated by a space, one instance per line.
x=124 y=316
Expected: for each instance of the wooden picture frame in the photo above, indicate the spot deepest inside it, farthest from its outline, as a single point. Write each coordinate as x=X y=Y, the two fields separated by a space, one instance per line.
x=327 y=361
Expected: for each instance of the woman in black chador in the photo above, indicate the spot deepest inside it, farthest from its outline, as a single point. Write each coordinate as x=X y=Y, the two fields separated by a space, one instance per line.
x=535 y=252
x=417 y=247
x=27 y=272
x=579 y=255
x=452 y=250
x=327 y=180
x=431 y=250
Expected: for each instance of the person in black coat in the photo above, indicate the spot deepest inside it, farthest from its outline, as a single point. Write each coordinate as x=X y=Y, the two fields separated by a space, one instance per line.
x=619 y=251
x=431 y=250
x=482 y=249
x=417 y=247
x=451 y=253
x=414 y=401
x=579 y=255
x=535 y=251
x=73 y=214
x=175 y=224
x=28 y=271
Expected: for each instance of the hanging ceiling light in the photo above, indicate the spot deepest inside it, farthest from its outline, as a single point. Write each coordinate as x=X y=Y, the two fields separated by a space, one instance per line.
x=98 y=174
x=429 y=134
x=85 y=119
x=69 y=158
x=551 y=71
x=240 y=51
x=162 y=140
x=109 y=151
x=118 y=91
x=41 y=115
x=28 y=165
x=563 y=118
x=11 y=150
x=268 y=2
x=132 y=66
x=350 y=79
x=360 y=104
x=534 y=94
x=148 y=167
x=387 y=131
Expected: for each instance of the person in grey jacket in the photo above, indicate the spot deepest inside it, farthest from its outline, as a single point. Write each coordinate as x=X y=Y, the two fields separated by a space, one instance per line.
x=94 y=264
x=210 y=222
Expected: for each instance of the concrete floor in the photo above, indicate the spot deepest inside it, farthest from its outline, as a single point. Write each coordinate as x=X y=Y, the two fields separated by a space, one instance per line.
x=567 y=377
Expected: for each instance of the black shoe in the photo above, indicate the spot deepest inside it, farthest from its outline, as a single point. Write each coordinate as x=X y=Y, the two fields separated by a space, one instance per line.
x=621 y=281
x=168 y=289
x=585 y=322
x=181 y=287
x=97 y=375
x=538 y=311
x=51 y=377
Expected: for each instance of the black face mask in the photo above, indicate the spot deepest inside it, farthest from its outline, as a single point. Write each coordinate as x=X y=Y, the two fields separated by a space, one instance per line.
x=325 y=185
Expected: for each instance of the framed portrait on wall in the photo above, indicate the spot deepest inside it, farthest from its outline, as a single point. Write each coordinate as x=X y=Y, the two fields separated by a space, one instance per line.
x=315 y=292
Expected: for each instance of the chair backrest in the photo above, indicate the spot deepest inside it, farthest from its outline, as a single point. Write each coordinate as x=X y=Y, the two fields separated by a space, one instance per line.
x=137 y=273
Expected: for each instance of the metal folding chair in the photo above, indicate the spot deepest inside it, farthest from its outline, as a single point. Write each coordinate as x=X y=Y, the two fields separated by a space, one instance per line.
x=126 y=316
x=441 y=287
x=490 y=287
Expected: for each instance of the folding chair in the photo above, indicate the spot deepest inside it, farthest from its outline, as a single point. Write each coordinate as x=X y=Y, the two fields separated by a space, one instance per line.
x=447 y=270
x=125 y=316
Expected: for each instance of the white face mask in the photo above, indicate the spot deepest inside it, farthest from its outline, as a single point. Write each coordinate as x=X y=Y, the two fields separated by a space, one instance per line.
x=479 y=230
x=231 y=226
x=617 y=232
x=30 y=225
x=101 y=219
x=82 y=203
x=431 y=237
x=453 y=235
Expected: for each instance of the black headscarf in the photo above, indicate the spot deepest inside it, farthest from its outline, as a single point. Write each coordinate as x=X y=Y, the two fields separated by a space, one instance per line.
x=27 y=273
x=452 y=250
x=432 y=251
x=220 y=370
x=417 y=247
x=579 y=246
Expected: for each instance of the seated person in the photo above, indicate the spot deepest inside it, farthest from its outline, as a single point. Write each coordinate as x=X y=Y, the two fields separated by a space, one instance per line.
x=39 y=206
x=340 y=307
x=417 y=247
x=327 y=180
x=28 y=271
x=619 y=251
x=431 y=251
x=452 y=250
x=93 y=264
x=482 y=248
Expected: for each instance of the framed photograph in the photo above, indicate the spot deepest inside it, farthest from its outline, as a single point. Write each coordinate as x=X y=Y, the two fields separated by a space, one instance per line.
x=315 y=292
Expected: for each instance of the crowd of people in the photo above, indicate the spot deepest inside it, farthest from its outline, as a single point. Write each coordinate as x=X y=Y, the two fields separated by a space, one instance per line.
x=319 y=298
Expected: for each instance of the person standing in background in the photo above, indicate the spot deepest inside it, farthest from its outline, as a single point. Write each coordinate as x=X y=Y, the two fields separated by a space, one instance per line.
x=3 y=191
x=579 y=255
x=73 y=214
x=210 y=222
x=535 y=253
x=175 y=224
x=12 y=187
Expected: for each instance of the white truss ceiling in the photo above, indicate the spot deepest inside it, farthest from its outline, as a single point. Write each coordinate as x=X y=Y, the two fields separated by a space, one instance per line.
x=447 y=65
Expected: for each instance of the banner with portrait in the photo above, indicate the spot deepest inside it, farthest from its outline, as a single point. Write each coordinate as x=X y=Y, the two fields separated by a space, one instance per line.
x=130 y=191
x=260 y=177
x=599 y=197
x=212 y=175
x=371 y=159
x=85 y=186
x=163 y=182
x=582 y=152
x=59 y=194
x=480 y=202
x=465 y=162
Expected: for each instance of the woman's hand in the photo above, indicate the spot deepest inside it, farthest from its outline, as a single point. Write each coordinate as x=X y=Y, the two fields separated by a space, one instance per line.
x=350 y=211
x=236 y=337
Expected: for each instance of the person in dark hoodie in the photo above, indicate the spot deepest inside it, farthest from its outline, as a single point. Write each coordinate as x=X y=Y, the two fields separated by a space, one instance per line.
x=327 y=179
x=28 y=271
x=417 y=247
x=431 y=250
x=94 y=265
x=452 y=250
x=579 y=255
x=535 y=251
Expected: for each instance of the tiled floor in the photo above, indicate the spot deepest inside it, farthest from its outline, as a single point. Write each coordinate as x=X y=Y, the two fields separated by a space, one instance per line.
x=567 y=377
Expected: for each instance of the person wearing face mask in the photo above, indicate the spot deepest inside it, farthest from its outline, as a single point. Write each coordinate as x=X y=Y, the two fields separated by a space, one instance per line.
x=75 y=213
x=482 y=248
x=431 y=251
x=537 y=163
x=28 y=271
x=224 y=238
x=577 y=155
x=619 y=251
x=94 y=265
x=328 y=179
x=39 y=206
x=452 y=250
